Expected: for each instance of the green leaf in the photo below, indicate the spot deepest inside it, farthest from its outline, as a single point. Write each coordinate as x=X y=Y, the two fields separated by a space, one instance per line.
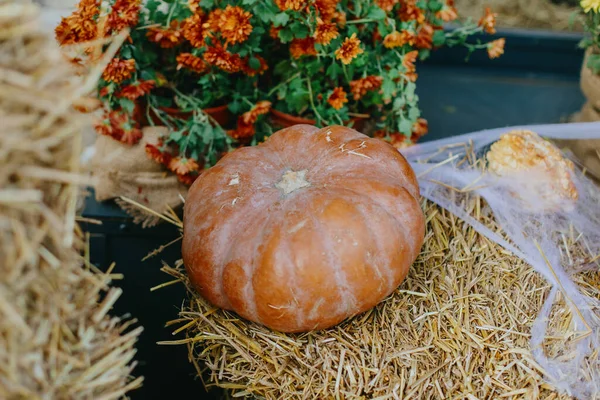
x=435 y=5
x=281 y=19
x=376 y=13
x=405 y=127
x=414 y=113
x=409 y=90
x=127 y=105
x=265 y=11
x=313 y=67
x=207 y=3
x=439 y=38
x=424 y=54
x=254 y=63
x=249 y=2
x=299 y=29
x=389 y=87
x=334 y=70
x=286 y=35
x=235 y=106
x=399 y=102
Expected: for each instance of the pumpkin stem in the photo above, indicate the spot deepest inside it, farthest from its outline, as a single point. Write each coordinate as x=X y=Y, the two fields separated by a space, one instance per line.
x=292 y=181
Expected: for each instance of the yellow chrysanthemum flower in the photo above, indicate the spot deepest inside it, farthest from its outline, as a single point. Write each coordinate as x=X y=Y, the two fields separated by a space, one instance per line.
x=589 y=5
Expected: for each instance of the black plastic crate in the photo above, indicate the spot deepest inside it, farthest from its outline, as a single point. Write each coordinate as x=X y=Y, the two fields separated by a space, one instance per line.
x=536 y=81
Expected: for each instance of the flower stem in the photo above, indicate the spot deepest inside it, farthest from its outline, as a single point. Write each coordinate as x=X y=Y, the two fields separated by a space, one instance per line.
x=360 y=21
x=312 y=102
x=283 y=83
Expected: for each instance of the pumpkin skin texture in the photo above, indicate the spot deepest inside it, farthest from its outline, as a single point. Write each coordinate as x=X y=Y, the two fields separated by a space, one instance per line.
x=305 y=230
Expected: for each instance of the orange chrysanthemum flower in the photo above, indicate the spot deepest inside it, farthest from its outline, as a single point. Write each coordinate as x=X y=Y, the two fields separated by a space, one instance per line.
x=154 y=152
x=166 y=38
x=337 y=98
x=235 y=24
x=339 y=17
x=187 y=179
x=496 y=48
x=274 y=32
x=408 y=62
x=193 y=5
x=193 y=30
x=424 y=39
x=213 y=21
x=349 y=50
x=191 y=62
x=124 y=14
x=295 y=5
x=396 y=139
x=221 y=58
x=182 y=165
x=448 y=13
x=252 y=72
x=410 y=12
x=131 y=135
x=260 y=108
x=118 y=126
x=397 y=39
x=419 y=129
x=136 y=89
x=399 y=141
x=118 y=70
x=325 y=32
x=488 y=21
x=326 y=9
x=303 y=47
x=80 y=26
x=386 y=5
x=360 y=87
x=242 y=131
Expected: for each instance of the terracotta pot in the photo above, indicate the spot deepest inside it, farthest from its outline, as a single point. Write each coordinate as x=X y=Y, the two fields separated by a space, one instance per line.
x=221 y=114
x=284 y=120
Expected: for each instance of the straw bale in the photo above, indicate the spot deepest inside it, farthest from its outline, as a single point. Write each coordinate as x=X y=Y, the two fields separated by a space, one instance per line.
x=57 y=339
x=457 y=328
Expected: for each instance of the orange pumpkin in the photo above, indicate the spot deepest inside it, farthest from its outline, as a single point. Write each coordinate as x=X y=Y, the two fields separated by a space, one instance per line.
x=305 y=230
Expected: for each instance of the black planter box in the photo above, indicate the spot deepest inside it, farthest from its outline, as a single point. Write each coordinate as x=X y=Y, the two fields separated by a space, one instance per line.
x=536 y=81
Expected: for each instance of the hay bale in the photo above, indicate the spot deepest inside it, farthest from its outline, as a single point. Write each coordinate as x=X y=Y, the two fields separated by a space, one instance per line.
x=57 y=340
x=457 y=328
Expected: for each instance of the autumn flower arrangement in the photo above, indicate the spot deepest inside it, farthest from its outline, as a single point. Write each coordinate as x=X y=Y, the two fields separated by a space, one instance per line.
x=222 y=73
x=351 y=59
x=195 y=67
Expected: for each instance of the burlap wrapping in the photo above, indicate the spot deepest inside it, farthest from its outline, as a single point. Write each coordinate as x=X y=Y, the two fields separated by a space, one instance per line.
x=587 y=151
x=127 y=171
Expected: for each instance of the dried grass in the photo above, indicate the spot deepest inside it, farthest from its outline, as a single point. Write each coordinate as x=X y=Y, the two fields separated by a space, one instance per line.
x=457 y=328
x=57 y=340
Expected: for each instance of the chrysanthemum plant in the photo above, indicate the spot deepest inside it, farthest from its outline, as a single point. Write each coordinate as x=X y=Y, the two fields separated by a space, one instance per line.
x=352 y=59
x=591 y=24
x=193 y=66
x=188 y=63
